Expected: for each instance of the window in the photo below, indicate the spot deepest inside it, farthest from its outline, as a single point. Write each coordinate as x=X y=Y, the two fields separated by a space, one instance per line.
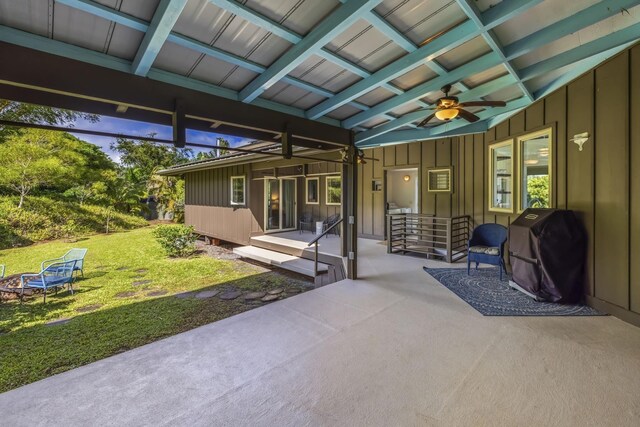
x=313 y=191
x=334 y=190
x=439 y=180
x=534 y=170
x=238 y=189
x=501 y=177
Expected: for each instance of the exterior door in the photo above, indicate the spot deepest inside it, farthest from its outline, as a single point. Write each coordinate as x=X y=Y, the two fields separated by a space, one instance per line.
x=280 y=209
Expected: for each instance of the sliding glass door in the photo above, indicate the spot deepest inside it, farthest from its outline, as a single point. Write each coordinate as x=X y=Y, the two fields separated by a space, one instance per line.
x=280 y=198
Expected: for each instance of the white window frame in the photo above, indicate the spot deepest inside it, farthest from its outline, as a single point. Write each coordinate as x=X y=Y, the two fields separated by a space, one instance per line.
x=306 y=191
x=326 y=190
x=244 y=190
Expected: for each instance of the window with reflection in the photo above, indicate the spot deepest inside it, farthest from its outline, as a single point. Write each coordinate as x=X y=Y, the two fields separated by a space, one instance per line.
x=501 y=177
x=535 y=170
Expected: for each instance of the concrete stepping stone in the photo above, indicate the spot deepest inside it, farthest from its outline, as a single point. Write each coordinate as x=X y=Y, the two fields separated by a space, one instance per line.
x=185 y=295
x=254 y=295
x=141 y=270
x=229 y=295
x=141 y=282
x=125 y=294
x=157 y=293
x=62 y=321
x=269 y=298
x=88 y=308
x=122 y=268
x=207 y=294
x=276 y=291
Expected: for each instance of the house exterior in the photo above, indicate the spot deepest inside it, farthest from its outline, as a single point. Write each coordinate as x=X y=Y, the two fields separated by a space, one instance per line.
x=238 y=196
x=596 y=180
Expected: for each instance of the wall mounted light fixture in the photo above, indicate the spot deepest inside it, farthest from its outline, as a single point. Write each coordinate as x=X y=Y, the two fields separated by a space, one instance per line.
x=580 y=139
x=406 y=178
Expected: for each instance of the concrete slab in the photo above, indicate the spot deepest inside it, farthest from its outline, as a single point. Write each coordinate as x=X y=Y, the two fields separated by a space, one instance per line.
x=394 y=348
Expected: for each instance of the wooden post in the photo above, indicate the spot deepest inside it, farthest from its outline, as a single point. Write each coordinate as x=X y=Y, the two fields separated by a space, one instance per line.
x=349 y=209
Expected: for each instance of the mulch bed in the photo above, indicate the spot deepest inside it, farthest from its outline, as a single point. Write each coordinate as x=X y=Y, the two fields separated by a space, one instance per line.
x=10 y=287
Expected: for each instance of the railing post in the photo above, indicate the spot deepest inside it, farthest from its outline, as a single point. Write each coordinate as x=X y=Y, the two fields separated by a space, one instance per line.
x=449 y=233
x=315 y=261
x=404 y=233
x=389 y=224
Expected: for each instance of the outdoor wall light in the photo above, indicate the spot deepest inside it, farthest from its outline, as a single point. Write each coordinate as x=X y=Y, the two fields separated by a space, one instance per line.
x=406 y=178
x=580 y=139
x=447 y=114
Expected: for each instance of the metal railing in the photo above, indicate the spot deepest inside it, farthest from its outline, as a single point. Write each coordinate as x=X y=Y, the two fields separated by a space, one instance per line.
x=315 y=242
x=443 y=238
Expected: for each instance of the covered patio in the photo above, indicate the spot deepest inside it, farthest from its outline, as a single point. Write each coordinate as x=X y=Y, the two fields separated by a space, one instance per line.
x=393 y=348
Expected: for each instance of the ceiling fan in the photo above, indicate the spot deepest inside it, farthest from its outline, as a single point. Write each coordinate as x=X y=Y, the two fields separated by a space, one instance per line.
x=448 y=108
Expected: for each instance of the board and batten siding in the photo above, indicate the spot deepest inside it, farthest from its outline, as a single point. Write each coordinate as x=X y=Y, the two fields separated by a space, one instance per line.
x=599 y=183
x=208 y=204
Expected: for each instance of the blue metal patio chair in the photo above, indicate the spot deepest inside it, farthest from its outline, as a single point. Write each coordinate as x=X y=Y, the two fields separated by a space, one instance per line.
x=53 y=276
x=1 y=271
x=76 y=254
x=487 y=246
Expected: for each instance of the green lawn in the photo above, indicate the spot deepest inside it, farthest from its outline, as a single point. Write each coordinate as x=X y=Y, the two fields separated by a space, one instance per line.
x=31 y=350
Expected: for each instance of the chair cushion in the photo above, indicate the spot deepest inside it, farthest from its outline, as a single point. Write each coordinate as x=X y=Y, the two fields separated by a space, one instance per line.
x=484 y=250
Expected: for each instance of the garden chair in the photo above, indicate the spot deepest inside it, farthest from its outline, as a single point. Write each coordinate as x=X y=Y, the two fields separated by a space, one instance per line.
x=306 y=221
x=327 y=223
x=53 y=276
x=76 y=254
x=1 y=271
x=487 y=246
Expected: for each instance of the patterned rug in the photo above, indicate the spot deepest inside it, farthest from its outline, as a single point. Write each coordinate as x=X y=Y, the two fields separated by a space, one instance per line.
x=484 y=291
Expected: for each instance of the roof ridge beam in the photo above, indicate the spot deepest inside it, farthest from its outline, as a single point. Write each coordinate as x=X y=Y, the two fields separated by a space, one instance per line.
x=438 y=131
x=477 y=92
x=484 y=62
x=325 y=31
x=582 y=19
x=164 y=18
x=611 y=41
x=474 y=14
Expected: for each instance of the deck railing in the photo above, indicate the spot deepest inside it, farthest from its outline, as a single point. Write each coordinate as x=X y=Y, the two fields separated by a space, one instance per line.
x=315 y=242
x=442 y=238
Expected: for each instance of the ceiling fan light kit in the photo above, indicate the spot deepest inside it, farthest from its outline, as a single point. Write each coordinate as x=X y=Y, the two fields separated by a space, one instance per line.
x=447 y=114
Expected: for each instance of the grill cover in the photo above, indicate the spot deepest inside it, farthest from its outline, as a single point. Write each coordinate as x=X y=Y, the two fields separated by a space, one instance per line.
x=547 y=250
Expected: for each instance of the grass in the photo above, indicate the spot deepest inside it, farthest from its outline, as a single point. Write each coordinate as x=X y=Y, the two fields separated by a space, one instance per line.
x=31 y=350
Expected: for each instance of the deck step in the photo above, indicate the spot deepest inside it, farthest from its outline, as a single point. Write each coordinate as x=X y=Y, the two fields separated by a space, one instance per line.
x=279 y=244
x=281 y=260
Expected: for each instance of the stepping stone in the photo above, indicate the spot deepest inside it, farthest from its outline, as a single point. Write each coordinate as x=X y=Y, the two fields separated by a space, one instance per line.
x=229 y=295
x=270 y=298
x=125 y=294
x=276 y=291
x=88 y=308
x=157 y=293
x=141 y=270
x=207 y=294
x=141 y=282
x=254 y=295
x=62 y=321
x=293 y=291
x=185 y=295
x=122 y=268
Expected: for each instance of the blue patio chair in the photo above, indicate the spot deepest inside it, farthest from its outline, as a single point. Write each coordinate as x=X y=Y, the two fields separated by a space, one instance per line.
x=487 y=246
x=76 y=254
x=53 y=276
x=1 y=271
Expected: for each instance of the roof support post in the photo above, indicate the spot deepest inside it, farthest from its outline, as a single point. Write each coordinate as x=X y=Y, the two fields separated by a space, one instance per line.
x=287 y=144
x=179 y=125
x=349 y=211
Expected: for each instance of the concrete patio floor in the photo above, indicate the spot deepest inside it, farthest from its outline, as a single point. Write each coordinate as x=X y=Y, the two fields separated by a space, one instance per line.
x=395 y=348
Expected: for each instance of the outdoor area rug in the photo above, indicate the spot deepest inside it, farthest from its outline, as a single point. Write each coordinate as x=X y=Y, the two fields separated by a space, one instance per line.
x=484 y=291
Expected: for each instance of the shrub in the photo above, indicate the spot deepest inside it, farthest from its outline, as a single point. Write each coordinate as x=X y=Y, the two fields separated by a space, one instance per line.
x=176 y=240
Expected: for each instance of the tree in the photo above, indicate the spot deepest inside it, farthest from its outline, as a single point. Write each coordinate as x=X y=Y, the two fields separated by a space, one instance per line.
x=29 y=113
x=35 y=158
x=221 y=142
x=538 y=191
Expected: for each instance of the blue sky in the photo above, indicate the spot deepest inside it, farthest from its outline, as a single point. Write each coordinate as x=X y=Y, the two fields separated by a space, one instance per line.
x=130 y=127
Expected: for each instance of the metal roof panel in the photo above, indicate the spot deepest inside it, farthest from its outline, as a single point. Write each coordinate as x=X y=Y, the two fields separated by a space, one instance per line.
x=421 y=19
x=464 y=53
x=413 y=78
x=140 y=9
x=221 y=73
x=297 y=15
x=343 y=112
x=26 y=15
x=81 y=29
x=176 y=59
x=124 y=42
x=321 y=72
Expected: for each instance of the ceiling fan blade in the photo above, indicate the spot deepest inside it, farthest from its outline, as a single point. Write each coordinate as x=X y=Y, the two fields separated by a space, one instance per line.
x=425 y=121
x=470 y=117
x=483 y=104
